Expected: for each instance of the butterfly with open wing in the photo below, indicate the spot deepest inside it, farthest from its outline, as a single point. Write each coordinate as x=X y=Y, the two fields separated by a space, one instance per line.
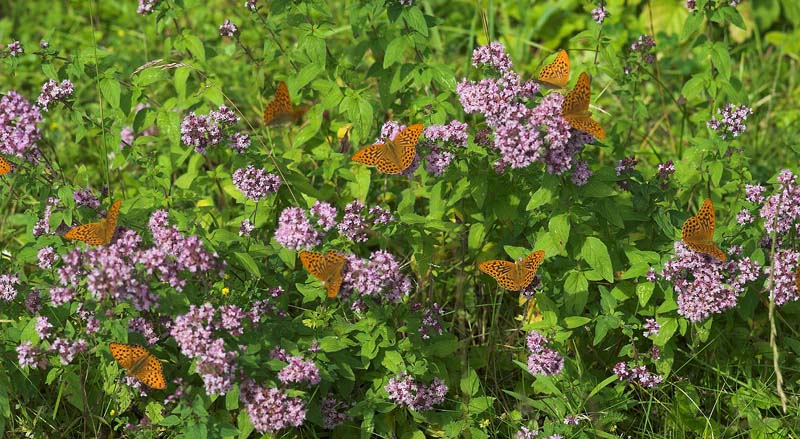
x=575 y=108
x=325 y=267
x=556 y=74
x=698 y=232
x=280 y=110
x=5 y=166
x=97 y=233
x=139 y=363
x=394 y=156
x=516 y=275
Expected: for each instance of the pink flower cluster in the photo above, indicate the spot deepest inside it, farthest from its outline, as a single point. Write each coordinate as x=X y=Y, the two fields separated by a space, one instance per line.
x=405 y=390
x=706 y=285
x=379 y=277
x=638 y=374
x=543 y=360
x=270 y=409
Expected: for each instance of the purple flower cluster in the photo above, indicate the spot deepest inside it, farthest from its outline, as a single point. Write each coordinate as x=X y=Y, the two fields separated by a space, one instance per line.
x=239 y=142
x=246 y=228
x=295 y=231
x=52 y=91
x=706 y=285
x=68 y=349
x=405 y=390
x=46 y=256
x=651 y=327
x=781 y=210
x=255 y=183
x=638 y=374
x=325 y=215
x=379 y=276
x=228 y=29
x=120 y=270
x=30 y=355
x=599 y=13
x=85 y=197
x=42 y=226
x=454 y=134
x=643 y=46
x=731 y=122
x=146 y=7
x=145 y=328
x=8 y=291
x=626 y=165
x=691 y=5
x=15 y=48
x=251 y=5
x=333 y=413
x=581 y=174
x=43 y=327
x=784 y=288
x=543 y=360
x=526 y=433
x=193 y=332
x=355 y=226
x=270 y=409
x=202 y=132
x=665 y=170
x=431 y=321
x=299 y=371
x=18 y=130
x=522 y=135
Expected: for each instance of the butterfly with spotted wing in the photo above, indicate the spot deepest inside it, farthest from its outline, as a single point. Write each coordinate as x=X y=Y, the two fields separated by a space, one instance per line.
x=327 y=268
x=514 y=276
x=280 y=110
x=97 y=233
x=575 y=108
x=556 y=74
x=139 y=363
x=698 y=232
x=394 y=156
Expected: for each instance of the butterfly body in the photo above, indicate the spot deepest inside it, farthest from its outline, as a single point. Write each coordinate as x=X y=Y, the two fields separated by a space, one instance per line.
x=280 y=110
x=697 y=232
x=325 y=267
x=395 y=155
x=139 y=363
x=575 y=108
x=97 y=233
x=514 y=276
x=555 y=74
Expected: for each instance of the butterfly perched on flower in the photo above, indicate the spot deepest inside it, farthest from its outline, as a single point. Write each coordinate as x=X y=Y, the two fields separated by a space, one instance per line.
x=139 y=363
x=97 y=233
x=394 y=156
x=698 y=232
x=280 y=110
x=5 y=166
x=514 y=276
x=575 y=108
x=325 y=267
x=555 y=74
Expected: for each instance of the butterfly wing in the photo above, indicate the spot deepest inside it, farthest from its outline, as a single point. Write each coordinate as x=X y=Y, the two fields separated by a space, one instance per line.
x=151 y=373
x=314 y=263
x=407 y=140
x=375 y=155
x=504 y=272
x=334 y=263
x=575 y=108
x=530 y=265
x=139 y=363
x=110 y=221
x=698 y=232
x=5 y=166
x=555 y=74
x=92 y=233
x=279 y=110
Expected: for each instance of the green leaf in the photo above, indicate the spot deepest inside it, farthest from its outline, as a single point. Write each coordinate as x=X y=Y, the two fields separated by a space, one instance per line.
x=692 y=23
x=194 y=45
x=595 y=253
x=644 y=291
x=477 y=233
x=111 y=91
x=416 y=20
x=721 y=58
x=248 y=262
x=470 y=383
x=395 y=51
x=559 y=230
x=573 y=322
x=576 y=282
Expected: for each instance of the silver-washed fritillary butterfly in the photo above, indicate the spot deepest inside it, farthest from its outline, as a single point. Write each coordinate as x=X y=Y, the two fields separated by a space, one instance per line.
x=394 y=156
x=514 y=276
x=555 y=74
x=698 y=232
x=97 y=233
x=327 y=268
x=280 y=110
x=139 y=363
x=575 y=108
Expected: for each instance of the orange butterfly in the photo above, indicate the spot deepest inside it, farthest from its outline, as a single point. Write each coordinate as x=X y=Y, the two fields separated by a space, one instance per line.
x=280 y=110
x=555 y=74
x=5 y=166
x=97 y=233
x=139 y=363
x=698 y=232
x=327 y=268
x=394 y=156
x=514 y=276
x=575 y=108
